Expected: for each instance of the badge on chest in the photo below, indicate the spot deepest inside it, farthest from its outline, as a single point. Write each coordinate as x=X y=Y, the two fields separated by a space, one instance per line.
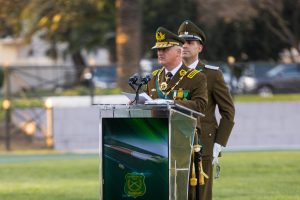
x=180 y=94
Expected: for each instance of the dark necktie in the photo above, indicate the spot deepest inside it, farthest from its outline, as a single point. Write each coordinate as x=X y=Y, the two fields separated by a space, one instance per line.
x=168 y=77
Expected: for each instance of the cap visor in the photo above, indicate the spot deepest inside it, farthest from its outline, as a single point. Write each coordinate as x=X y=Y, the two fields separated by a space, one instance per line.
x=190 y=38
x=162 y=46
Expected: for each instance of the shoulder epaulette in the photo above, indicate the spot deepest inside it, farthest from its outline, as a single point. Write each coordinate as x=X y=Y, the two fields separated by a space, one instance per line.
x=155 y=72
x=192 y=73
x=211 y=67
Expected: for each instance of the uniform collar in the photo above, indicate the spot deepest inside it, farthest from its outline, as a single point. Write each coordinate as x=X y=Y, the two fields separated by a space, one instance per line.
x=174 y=71
x=200 y=66
x=194 y=64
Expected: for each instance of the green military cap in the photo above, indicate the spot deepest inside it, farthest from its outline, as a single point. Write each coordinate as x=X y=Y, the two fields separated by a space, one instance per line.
x=189 y=31
x=165 y=38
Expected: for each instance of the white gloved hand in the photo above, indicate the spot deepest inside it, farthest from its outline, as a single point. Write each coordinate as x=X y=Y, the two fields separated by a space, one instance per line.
x=216 y=151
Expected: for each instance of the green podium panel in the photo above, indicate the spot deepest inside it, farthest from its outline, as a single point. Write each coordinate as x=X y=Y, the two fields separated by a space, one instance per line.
x=145 y=152
x=135 y=162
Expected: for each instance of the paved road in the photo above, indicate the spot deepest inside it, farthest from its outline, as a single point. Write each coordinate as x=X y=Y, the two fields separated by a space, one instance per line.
x=266 y=126
x=257 y=125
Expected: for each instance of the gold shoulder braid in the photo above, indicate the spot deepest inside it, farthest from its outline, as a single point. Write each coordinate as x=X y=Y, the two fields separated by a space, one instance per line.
x=163 y=86
x=193 y=73
x=154 y=72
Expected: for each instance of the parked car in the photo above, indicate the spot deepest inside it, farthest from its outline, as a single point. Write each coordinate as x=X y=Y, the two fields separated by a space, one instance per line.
x=283 y=78
x=252 y=72
x=229 y=78
x=149 y=65
x=105 y=76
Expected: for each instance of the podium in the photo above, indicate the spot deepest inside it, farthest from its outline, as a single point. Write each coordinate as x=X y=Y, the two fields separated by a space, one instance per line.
x=145 y=151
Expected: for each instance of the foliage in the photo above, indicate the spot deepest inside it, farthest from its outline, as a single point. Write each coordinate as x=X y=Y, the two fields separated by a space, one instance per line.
x=244 y=176
x=80 y=23
x=247 y=30
x=164 y=13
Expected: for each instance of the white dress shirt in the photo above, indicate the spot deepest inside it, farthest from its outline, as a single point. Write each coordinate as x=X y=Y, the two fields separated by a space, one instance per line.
x=194 y=64
x=174 y=71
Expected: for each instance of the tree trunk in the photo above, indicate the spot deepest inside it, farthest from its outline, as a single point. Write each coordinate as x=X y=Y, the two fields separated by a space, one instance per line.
x=79 y=65
x=128 y=40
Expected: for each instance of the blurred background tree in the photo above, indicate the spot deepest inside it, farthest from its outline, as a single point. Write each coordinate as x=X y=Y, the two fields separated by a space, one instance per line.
x=81 y=24
x=169 y=14
x=128 y=39
x=249 y=30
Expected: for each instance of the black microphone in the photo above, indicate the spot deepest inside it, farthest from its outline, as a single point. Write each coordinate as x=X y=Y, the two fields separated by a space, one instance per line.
x=145 y=80
x=133 y=79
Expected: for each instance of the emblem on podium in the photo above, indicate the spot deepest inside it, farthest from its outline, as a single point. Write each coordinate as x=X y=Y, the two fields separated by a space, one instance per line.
x=135 y=184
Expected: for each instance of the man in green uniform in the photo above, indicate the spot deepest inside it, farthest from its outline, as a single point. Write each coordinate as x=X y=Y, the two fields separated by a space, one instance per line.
x=174 y=81
x=213 y=136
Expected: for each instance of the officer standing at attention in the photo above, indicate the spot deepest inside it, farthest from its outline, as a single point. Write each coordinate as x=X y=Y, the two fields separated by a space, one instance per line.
x=213 y=136
x=174 y=81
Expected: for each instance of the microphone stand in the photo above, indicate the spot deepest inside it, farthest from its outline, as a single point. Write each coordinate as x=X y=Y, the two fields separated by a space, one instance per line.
x=136 y=99
x=142 y=82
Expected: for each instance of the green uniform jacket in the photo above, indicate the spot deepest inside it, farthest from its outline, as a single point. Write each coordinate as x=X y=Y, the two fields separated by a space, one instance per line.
x=218 y=94
x=192 y=83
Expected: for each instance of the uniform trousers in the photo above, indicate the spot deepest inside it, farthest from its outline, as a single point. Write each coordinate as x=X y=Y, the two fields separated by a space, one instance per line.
x=206 y=189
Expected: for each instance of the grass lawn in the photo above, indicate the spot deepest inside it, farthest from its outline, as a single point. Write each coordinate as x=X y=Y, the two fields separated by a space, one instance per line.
x=273 y=98
x=273 y=175
x=45 y=177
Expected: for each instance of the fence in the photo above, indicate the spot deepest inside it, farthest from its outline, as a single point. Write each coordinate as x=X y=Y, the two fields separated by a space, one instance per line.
x=30 y=82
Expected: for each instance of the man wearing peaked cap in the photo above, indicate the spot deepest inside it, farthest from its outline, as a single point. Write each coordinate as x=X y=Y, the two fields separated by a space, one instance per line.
x=174 y=81
x=213 y=135
x=189 y=31
x=165 y=38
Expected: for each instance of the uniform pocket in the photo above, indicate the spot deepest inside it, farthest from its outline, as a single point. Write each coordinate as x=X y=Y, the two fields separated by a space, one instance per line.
x=208 y=135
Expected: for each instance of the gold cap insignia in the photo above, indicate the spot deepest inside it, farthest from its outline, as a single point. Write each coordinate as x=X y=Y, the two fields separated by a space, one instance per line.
x=160 y=36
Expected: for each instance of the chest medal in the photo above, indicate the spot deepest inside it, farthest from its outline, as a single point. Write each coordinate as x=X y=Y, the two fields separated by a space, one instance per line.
x=163 y=86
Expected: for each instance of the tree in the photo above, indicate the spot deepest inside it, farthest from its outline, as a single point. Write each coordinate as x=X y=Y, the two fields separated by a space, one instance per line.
x=128 y=39
x=282 y=19
x=169 y=14
x=259 y=29
x=81 y=24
